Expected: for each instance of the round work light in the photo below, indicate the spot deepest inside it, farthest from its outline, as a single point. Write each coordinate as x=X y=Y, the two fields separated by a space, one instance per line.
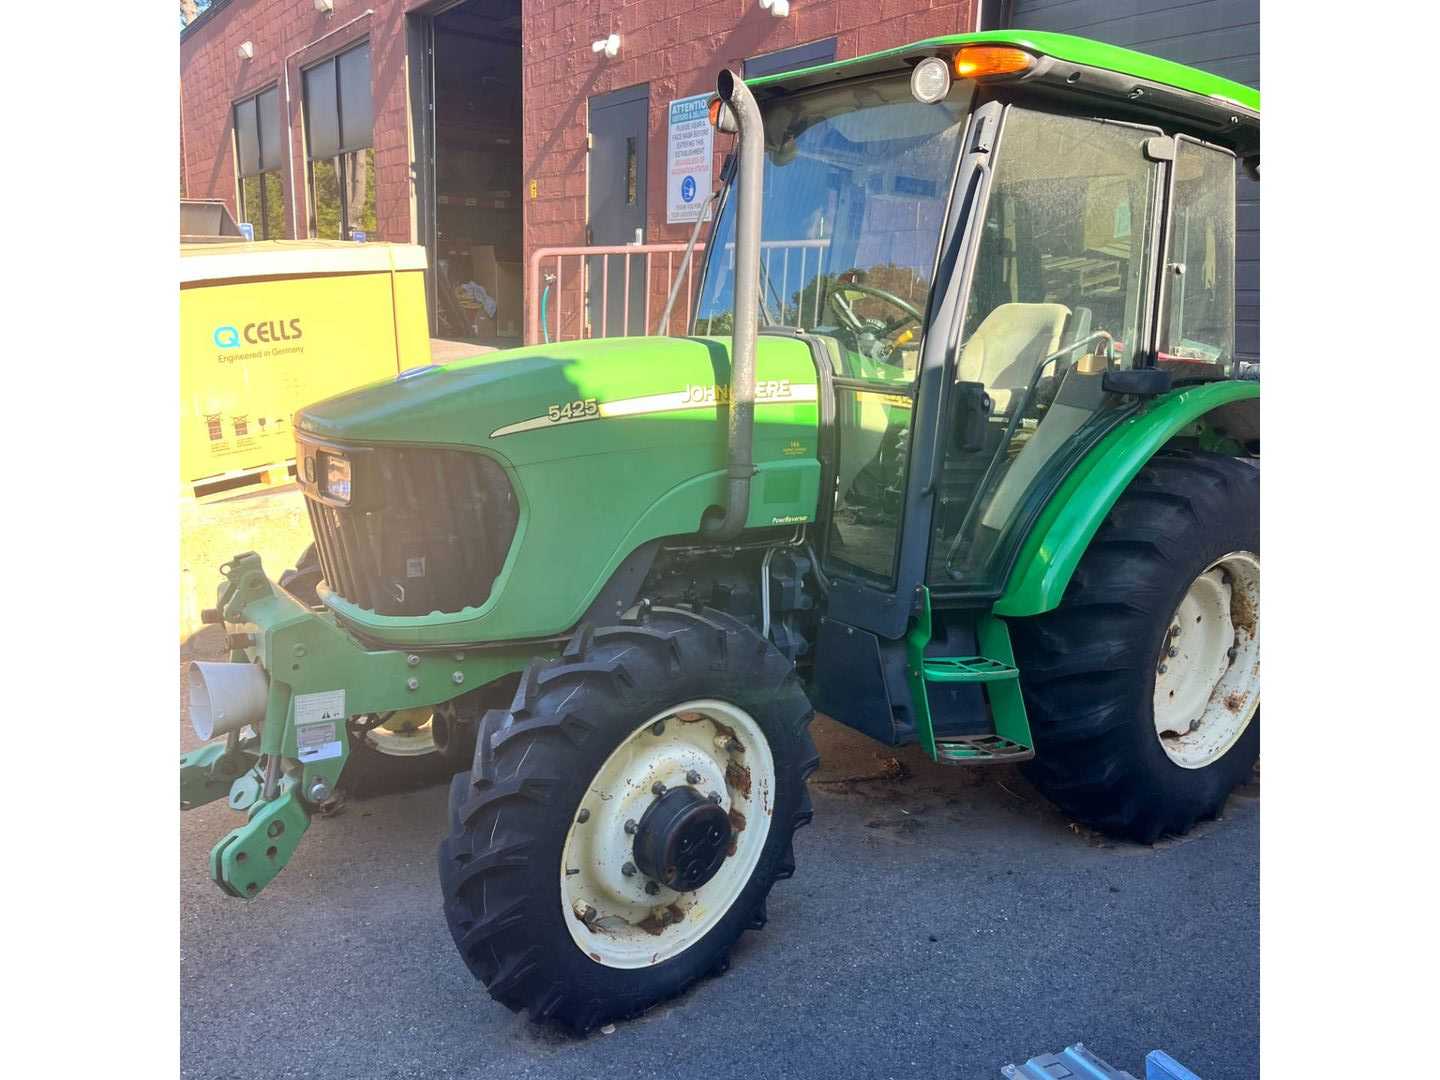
x=930 y=81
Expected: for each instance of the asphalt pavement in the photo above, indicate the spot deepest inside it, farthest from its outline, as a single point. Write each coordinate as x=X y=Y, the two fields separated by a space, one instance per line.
x=942 y=922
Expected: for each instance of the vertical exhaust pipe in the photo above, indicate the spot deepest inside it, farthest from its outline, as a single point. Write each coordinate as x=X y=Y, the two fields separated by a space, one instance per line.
x=740 y=433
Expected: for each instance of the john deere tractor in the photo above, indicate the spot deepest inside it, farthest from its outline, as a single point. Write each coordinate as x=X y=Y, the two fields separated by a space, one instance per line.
x=959 y=452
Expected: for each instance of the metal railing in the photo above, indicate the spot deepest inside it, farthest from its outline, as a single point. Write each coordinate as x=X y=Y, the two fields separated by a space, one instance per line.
x=770 y=280
x=571 y=289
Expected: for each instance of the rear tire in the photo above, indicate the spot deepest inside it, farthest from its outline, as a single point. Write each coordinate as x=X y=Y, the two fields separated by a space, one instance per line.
x=1089 y=668
x=514 y=819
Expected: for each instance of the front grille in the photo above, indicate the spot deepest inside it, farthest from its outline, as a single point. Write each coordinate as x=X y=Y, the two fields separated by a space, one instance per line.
x=426 y=530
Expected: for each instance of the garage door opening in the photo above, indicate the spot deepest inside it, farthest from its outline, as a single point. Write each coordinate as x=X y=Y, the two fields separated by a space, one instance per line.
x=473 y=222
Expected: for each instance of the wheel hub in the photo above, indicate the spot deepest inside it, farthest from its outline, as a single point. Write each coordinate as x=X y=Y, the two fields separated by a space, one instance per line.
x=682 y=839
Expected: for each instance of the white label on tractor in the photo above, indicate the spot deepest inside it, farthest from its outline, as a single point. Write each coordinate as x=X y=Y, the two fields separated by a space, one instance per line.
x=315 y=718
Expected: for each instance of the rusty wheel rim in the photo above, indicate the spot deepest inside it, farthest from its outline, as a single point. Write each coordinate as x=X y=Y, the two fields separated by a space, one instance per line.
x=1207 y=675
x=616 y=914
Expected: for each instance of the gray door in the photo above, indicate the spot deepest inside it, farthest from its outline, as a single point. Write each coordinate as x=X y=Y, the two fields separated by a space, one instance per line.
x=1219 y=36
x=619 y=123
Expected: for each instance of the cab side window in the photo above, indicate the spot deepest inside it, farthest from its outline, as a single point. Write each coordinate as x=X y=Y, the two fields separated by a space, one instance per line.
x=1199 y=279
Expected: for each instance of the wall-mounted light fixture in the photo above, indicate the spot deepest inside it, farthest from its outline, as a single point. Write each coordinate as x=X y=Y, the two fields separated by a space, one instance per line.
x=325 y=7
x=778 y=8
x=246 y=51
x=610 y=46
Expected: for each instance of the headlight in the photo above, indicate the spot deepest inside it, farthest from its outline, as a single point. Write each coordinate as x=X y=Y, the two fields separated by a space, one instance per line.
x=336 y=482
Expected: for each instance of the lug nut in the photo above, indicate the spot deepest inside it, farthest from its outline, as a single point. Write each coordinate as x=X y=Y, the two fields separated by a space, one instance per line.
x=628 y=869
x=631 y=827
x=692 y=777
x=1174 y=651
x=1161 y=669
x=652 y=888
x=657 y=728
x=657 y=788
x=1232 y=652
x=733 y=745
x=583 y=816
x=714 y=797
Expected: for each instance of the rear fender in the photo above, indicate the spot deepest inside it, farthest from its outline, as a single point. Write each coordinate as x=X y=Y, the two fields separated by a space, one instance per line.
x=1075 y=512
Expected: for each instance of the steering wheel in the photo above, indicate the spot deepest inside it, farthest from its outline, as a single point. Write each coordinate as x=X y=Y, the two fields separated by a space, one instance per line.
x=857 y=323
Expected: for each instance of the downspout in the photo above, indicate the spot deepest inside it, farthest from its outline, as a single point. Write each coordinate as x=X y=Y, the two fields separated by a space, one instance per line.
x=740 y=430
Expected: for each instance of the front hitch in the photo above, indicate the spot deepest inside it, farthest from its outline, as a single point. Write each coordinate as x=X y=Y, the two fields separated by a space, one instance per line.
x=281 y=707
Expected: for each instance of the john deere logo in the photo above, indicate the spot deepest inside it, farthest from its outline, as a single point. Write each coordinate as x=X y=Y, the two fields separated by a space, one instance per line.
x=227 y=337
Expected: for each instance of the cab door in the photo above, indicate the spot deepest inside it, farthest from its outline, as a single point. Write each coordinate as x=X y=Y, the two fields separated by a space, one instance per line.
x=878 y=528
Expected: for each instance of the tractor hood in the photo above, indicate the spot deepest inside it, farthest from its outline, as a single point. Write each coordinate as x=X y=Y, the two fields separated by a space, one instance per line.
x=608 y=444
x=581 y=397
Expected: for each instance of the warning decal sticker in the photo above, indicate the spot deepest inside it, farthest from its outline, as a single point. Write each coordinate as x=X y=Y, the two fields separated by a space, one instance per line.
x=316 y=719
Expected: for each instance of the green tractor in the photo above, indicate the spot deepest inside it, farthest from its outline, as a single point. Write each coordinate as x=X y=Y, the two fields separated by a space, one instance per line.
x=959 y=452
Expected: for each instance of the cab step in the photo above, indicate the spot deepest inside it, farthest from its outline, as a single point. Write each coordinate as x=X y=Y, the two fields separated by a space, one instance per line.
x=968 y=708
x=980 y=750
x=966 y=669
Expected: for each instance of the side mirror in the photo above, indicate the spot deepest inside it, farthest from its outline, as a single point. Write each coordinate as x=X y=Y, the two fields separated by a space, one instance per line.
x=973 y=407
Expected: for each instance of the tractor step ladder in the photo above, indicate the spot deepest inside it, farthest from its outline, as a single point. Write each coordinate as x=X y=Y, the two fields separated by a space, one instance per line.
x=1010 y=741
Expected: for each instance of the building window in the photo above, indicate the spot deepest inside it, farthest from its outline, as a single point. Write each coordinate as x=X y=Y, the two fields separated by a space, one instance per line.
x=260 y=153
x=340 y=160
x=792 y=59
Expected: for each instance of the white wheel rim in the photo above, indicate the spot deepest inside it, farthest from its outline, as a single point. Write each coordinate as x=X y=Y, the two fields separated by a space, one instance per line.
x=610 y=915
x=1207 y=677
x=409 y=733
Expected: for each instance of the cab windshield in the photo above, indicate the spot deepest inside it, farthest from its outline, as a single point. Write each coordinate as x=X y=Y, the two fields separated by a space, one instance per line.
x=857 y=178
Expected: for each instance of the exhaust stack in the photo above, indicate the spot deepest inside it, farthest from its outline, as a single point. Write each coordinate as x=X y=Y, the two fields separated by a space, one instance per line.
x=225 y=697
x=740 y=433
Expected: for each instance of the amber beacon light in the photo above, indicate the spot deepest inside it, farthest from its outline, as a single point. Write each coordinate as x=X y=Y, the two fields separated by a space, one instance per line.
x=983 y=61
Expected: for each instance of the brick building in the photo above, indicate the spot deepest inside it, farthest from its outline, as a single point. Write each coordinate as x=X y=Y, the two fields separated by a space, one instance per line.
x=485 y=129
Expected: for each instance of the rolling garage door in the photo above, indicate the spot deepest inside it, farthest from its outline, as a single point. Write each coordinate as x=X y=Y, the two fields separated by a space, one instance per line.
x=1220 y=36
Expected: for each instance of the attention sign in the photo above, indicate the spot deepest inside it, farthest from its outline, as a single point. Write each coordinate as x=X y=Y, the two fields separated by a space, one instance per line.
x=689 y=156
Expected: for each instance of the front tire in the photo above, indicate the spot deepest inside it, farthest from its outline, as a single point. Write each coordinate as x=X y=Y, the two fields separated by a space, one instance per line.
x=550 y=862
x=1142 y=687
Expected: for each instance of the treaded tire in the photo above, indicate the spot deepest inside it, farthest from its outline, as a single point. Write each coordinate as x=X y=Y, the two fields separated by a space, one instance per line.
x=1087 y=669
x=369 y=773
x=500 y=863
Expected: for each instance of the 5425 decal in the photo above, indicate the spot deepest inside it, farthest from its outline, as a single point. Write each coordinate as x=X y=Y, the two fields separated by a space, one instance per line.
x=573 y=410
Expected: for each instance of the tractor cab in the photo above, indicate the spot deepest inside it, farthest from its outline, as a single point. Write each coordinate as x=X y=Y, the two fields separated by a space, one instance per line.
x=998 y=251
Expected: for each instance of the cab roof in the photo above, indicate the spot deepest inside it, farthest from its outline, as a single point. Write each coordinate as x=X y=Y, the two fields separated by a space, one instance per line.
x=1120 y=81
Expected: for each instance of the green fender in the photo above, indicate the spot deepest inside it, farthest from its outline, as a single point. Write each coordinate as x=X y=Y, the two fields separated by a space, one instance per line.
x=1074 y=513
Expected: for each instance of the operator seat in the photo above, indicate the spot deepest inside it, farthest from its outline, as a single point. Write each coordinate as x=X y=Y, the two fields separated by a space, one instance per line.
x=1005 y=348
x=1002 y=353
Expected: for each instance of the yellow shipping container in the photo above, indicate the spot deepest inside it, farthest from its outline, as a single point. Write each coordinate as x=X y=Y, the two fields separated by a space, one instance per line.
x=268 y=327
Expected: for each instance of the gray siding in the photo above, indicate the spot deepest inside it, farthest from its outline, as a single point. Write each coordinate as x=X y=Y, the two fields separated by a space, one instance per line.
x=1220 y=36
